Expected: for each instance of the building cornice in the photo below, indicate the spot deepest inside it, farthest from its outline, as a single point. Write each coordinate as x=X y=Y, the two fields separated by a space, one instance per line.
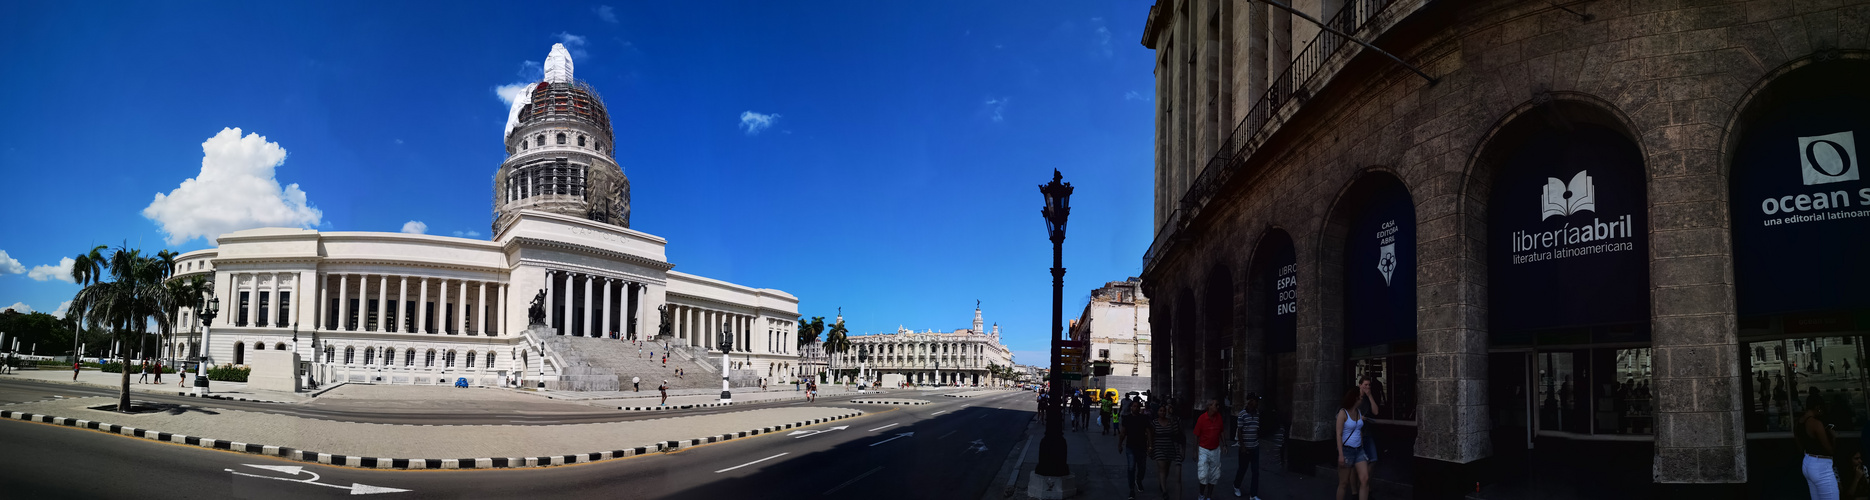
x=524 y=241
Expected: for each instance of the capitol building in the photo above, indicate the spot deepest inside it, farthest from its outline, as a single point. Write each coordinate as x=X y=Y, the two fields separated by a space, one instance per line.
x=395 y=308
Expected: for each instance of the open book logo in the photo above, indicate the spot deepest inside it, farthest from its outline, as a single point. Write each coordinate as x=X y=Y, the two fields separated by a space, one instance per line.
x=1563 y=199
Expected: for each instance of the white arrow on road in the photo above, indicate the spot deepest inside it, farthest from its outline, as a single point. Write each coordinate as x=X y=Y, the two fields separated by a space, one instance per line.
x=355 y=488
x=898 y=436
x=977 y=446
x=796 y=434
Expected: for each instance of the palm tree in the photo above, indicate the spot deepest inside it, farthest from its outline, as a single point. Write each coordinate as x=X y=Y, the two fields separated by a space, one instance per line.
x=86 y=269
x=186 y=293
x=132 y=299
x=837 y=342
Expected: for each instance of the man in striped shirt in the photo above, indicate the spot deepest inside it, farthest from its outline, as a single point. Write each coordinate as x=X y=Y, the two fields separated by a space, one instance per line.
x=1247 y=442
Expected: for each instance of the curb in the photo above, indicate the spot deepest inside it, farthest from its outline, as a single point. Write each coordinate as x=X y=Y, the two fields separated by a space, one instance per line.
x=897 y=402
x=677 y=407
x=410 y=463
x=225 y=398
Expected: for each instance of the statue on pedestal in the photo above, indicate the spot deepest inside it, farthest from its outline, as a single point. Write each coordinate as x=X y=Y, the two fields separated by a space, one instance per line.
x=668 y=321
x=536 y=313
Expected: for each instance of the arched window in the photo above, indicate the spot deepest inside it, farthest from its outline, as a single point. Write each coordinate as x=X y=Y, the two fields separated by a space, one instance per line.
x=449 y=361
x=490 y=358
x=561 y=138
x=280 y=346
x=350 y=354
x=541 y=140
x=409 y=357
x=329 y=352
x=240 y=353
x=470 y=359
x=581 y=141
x=523 y=145
x=370 y=356
x=428 y=360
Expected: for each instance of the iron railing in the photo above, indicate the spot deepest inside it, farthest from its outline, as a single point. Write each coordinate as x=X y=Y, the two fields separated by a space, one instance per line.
x=1306 y=65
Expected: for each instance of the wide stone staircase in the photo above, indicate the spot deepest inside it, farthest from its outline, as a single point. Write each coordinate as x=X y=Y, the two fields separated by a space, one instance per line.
x=596 y=364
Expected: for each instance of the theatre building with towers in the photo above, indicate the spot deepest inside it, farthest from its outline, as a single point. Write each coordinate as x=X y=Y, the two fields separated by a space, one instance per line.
x=1604 y=249
x=395 y=308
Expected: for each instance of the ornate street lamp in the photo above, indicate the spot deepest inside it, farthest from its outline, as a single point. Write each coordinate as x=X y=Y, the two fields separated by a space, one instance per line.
x=1052 y=477
x=201 y=362
x=727 y=352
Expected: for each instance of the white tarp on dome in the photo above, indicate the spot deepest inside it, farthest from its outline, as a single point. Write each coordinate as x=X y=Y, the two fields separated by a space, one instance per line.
x=558 y=65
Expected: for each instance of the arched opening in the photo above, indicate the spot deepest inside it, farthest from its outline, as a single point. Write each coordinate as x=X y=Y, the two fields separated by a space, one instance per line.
x=279 y=346
x=1798 y=199
x=470 y=359
x=1272 y=299
x=240 y=353
x=350 y=355
x=1568 y=293
x=370 y=356
x=259 y=346
x=448 y=361
x=1217 y=337
x=1184 y=339
x=1368 y=269
x=428 y=359
x=561 y=139
x=490 y=359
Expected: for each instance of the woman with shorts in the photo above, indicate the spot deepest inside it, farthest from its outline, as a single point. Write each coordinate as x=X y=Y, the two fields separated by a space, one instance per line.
x=1351 y=445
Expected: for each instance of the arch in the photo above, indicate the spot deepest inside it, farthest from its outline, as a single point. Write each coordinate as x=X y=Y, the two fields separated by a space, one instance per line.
x=281 y=346
x=409 y=357
x=240 y=353
x=448 y=360
x=470 y=359
x=259 y=346
x=370 y=356
x=1183 y=340
x=1368 y=276
x=350 y=354
x=541 y=140
x=490 y=359
x=1272 y=320
x=561 y=138
x=581 y=140
x=1217 y=335
x=428 y=359
x=330 y=352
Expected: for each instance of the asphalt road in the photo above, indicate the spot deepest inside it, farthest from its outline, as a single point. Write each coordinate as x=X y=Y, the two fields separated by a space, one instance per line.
x=16 y=391
x=948 y=449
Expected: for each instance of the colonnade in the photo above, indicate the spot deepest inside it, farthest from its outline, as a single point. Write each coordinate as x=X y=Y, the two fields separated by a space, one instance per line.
x=360 y=302
x=589 y=305
x=698 y=326
x=263 y=300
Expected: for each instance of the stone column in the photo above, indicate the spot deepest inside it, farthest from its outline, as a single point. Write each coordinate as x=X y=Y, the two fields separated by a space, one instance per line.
x=402 y=304
x=461 y=310
x=383 y=302
x=500 y=310
x=551 y=302
x=273 y=313
x=318 y=304
x=422 y=306
x=441 y=306
x=344 y=302
x=480 y=308
x=589 y=283
x=605 y=315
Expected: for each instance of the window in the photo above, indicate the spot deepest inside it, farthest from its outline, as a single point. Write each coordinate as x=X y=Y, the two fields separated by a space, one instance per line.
x=259 y=346
x=522 y=145
x=409 y=357
x=1783 y=374
x=241 y=319
x=428 y=360
x=240 y=353
x=1103 y=353
x=541 y=140
x=329 y=352
x=280 y=346
x=264 y=299
x=370 y=356
x=350 y=354
x=1595 y=391
x=470 y=359
x=490 y=358
x=285 y=309
x=449 y=361
x=581 y=141
x=561 y=138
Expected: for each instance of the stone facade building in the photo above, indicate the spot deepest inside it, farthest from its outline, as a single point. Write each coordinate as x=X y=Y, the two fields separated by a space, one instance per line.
x=370 y=307
x=1116 y=322
x=1585 y=231
x=960 y=357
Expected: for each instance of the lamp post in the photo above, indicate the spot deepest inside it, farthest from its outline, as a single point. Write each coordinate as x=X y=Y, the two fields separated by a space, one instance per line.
x=1052 y=477
x=863 y=363
x=727 y=352
x=201 y=362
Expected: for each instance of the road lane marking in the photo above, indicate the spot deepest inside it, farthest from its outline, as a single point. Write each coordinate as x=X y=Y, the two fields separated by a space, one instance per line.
x=355 y=488
x=946 y=435
x=898 y=436
x=751 y=463
x=883 y=427
x=938 y=413
x=853 y=480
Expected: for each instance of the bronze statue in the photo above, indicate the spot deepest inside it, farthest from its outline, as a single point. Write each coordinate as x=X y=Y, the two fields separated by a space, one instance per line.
x=536 y=314
x=667 y=321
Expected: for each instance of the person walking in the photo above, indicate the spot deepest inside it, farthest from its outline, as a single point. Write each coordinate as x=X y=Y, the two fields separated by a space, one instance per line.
x=1247 y=446
x=1350 y=446
x=1208 y=428
x=1818 y=441
x=75 y=367
x=181 y=378
x=1133 y=441
x=1165 y=446
x=1369 y=387
x=158 y=371
x=142 y=376
x=664 y=388
x=1106 y=412
x=636 y=384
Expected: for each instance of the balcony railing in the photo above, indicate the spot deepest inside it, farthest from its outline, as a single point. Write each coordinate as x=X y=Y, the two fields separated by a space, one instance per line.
x=1223 y=167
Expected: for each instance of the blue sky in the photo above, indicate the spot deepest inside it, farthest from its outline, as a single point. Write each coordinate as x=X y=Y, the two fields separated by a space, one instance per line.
x=896 y=177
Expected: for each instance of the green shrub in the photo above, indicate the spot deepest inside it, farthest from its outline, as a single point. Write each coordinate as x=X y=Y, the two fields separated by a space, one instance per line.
x=229 y=373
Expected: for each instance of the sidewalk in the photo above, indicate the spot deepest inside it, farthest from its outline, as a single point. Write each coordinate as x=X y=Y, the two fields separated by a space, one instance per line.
x=1101 y=471
x=320 y=440
x=114 y=381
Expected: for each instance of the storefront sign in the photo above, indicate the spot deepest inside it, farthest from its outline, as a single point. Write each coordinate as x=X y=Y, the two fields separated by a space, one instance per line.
x=1280 y=270
x=1568 y=233
x=1380 y=304
x=1801 y=208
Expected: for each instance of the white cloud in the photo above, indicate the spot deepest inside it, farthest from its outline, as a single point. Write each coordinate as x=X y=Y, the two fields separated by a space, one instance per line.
x=63 y=307
x=754 y=123
x=9 y=265
x=1134 y=96
x=19 y=306
x=467 y=234
x=235 y=190
x=1103 y=36
x=573 y=43
x=606 y=12
x=61 y=271
x=415 y=227
x=996 y=108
